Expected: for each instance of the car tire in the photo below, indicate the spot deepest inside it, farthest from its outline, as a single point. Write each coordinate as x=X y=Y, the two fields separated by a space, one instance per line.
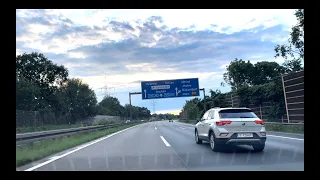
x=213 y=144
x=258 y=147
x=196 y=136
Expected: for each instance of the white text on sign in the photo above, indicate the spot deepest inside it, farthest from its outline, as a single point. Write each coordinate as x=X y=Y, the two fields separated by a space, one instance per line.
x=160 y=87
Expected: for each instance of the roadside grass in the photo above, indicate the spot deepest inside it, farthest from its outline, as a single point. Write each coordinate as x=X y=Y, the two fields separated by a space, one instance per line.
x=274 y=127
x=285 y=128
x=38 y=150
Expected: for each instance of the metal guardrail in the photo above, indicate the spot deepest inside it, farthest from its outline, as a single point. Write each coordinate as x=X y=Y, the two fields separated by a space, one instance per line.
x=275 y=123
x=25 y=138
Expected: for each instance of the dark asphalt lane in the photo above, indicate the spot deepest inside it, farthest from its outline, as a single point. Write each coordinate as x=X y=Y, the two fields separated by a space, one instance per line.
x=139 y=148
x=165 y=146
x=282 y=153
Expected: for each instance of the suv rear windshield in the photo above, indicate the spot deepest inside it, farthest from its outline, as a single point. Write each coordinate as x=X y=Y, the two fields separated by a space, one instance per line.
x=237 y=113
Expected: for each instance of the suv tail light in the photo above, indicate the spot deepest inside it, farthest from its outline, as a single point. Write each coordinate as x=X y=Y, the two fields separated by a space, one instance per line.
x=259 y=121
x=221 y=123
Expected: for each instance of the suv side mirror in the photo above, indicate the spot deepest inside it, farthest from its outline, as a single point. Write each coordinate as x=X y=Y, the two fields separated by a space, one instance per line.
x=198 y=119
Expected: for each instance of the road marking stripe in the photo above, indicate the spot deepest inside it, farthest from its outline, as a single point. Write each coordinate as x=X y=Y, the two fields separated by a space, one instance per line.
x=182 y=128
x=55 y=157
x=77 y=149
x=286 y=137
x=165 y=141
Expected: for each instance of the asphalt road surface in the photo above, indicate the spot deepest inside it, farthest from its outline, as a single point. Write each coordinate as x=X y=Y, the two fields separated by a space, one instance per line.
x=164 y=146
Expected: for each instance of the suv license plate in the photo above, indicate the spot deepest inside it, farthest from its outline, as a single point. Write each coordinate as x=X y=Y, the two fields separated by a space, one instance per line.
x=244 y=135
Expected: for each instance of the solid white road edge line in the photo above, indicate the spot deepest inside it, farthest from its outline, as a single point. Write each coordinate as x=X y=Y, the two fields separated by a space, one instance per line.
x=77 y=149
x=286 y=137
x=165 y=141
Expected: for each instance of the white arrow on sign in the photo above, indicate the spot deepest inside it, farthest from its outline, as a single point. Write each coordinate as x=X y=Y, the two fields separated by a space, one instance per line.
x=177 y=92
x=145 y=93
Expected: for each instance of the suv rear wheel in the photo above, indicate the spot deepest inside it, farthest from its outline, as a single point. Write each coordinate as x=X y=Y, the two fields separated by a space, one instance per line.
x=258 y=147
x=196 y=136
x=213 y=144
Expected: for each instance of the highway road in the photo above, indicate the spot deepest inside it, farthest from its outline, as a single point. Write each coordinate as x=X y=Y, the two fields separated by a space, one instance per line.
x=164 y=146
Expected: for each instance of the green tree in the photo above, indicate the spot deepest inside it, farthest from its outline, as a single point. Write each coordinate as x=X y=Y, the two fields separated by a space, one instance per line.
x=77 y=99
x=295 y=48
x=145 y=113
x=140 y=113
x=265 y=72
x=127 y=110
x=238 y=73
x=111 y=106
x=37 y=70
x=27 y=95
x=217 y=99
x=193 y=108
x=241 y=73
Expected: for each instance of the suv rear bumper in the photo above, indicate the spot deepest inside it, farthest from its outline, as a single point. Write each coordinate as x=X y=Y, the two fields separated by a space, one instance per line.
x=233 y=140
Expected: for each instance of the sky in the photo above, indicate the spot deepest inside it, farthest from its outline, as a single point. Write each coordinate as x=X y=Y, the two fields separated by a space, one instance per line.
x=118 y=49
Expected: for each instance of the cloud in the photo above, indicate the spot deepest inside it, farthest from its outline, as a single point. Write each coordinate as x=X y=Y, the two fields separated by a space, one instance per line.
x=121 y=48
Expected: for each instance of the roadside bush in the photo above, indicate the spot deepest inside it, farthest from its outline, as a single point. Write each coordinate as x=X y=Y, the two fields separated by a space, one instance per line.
x=285 y=128
x=270 y=92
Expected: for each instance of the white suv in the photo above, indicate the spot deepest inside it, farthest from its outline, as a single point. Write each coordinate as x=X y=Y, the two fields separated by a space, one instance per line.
x=234 y=126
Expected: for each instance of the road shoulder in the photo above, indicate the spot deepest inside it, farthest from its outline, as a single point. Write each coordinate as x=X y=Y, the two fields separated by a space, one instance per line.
x=58 y=155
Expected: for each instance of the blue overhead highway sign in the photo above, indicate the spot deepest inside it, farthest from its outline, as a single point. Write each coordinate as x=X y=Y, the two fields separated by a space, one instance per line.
x=170 y=88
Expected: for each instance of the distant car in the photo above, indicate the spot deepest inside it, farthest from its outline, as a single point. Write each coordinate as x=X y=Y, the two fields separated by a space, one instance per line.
x=170 y=120
x=232 y=126
x=127 y=121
